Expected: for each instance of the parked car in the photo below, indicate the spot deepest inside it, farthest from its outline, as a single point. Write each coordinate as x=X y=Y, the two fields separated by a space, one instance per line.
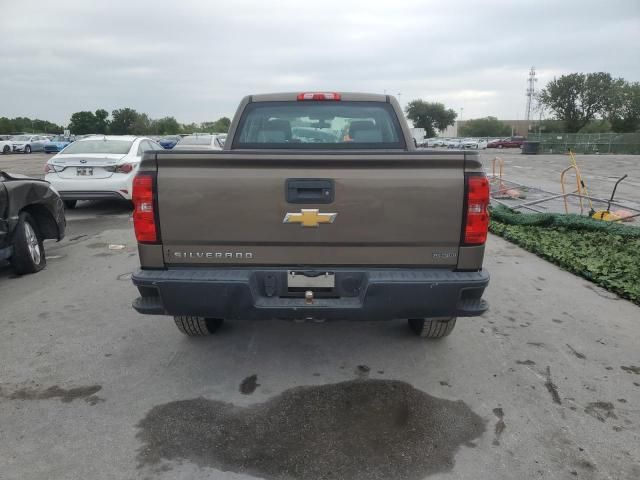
x=29 y=143
x=57 y=143
x=98 y=167
x=170 y=141
x=30 y=212
x=201 y=142
x=6 y=146
x=476 y=143
x=276 y=227
x=509 y=142
x=455 y=143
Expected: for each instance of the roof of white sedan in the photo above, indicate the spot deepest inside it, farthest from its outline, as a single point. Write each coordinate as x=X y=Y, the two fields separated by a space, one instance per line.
x=126 y=138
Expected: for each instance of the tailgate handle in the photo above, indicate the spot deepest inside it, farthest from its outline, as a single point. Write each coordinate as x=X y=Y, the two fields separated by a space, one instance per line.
x=310 y=190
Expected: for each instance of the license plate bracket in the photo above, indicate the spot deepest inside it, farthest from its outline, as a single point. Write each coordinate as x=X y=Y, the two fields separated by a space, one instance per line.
x=310 y=280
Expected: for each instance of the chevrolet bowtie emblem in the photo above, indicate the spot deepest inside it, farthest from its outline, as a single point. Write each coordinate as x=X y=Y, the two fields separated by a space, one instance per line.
x=309 y=217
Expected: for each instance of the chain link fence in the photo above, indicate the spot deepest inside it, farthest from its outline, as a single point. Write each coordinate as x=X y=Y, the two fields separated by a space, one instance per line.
x=588 y=143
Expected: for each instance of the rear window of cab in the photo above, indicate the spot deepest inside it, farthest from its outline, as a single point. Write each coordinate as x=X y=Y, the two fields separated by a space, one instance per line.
x=318 y=125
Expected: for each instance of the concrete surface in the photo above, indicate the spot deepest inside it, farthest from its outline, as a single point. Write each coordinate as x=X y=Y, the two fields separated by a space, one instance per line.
x=545 y=385
x=599 y=172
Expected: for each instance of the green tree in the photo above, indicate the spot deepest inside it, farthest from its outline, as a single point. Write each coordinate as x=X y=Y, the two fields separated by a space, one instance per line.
x=102 y=122
x=219 y=126
x=430 y=115
x=624 y=114
x=124 y=121
x=165 y=126
x=141 y=124
x=484 y=127
x=82 y=123
x=25 y=124
x=578 y=98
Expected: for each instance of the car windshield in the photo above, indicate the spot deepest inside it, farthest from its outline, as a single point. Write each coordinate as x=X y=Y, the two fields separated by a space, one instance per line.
x=319 y=125
x=100 y=146
x=196 y=140
x=58 y=138
x=21 y=138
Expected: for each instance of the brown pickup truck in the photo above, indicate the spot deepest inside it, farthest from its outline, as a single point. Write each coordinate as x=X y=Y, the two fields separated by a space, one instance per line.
x=319 y=207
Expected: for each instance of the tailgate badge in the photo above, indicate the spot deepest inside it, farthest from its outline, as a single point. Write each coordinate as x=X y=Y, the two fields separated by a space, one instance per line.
x=309 y=217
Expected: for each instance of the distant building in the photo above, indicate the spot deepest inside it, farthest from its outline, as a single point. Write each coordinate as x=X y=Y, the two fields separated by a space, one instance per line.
x=518 y=127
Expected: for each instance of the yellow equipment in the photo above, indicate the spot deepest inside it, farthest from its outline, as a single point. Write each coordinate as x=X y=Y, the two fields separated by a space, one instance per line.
x=606 y=215
x=581 y=189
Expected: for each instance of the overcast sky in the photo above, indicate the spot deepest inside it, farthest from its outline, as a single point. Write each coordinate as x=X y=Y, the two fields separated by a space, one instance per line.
x=195 y=59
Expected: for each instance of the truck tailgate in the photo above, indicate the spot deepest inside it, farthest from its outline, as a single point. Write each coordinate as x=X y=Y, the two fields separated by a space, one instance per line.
x=400 y=208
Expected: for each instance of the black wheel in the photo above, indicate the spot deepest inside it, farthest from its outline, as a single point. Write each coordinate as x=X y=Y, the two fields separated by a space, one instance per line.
x=197 y=326
x=6 y=149
x=432 y=327
x=28 y=251
x=70 y=204
x=27 y=149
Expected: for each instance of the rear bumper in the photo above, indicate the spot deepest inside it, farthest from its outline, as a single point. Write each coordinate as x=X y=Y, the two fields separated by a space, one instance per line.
x=97 y=195
x=260 y=294
x=91 y=188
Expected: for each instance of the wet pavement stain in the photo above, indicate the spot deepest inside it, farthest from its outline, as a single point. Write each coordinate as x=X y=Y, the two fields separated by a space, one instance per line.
x=500 y=425
x=579 y=355
x=249 y=384
x=65 y=395
x=525 y=362
x=601 y=410
x=552 y=388
x=360 y=430
x=631 y=369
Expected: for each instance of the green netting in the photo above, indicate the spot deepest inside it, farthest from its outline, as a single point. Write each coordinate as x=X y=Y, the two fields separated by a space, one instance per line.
x=507 y=216
x=605 y=253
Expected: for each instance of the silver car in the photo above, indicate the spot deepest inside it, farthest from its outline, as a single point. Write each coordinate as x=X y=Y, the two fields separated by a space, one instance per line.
x=29 y=143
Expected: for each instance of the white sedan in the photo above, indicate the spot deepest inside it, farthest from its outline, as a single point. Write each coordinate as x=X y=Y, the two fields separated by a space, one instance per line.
x=29 y=143
x=97 y=167
x=477 y=143
x=6 y=146
x=202 y=141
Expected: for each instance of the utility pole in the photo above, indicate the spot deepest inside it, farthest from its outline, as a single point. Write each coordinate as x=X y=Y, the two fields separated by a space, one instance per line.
x=531 y=90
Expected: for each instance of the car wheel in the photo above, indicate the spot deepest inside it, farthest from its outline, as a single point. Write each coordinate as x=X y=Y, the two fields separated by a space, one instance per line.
x=432 y=327
x=197 y=326
x=70 y=204
x=28 y=250
x=27 y=149
x=6 y=149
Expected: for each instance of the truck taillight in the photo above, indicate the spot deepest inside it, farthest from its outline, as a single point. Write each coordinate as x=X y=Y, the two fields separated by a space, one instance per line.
x=331 y=96
x=144 y=221
x=476 y=214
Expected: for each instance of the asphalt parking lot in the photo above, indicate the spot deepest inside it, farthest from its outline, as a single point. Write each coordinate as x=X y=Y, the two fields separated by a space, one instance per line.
x=544 y=385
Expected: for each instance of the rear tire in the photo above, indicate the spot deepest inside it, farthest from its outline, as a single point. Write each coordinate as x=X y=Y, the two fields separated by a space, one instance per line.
x=6 y=149
x=28 y=251
x=432 y=327
x=70 y=204
x=197 y=326
x=27 y=149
